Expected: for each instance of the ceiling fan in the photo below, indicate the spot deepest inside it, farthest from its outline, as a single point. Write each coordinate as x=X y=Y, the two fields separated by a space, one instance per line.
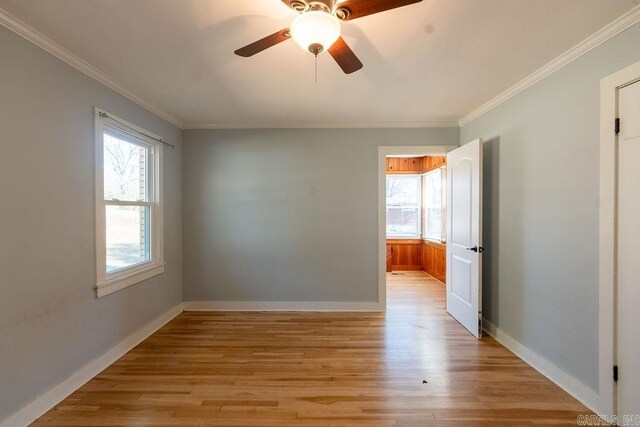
x=317 y=28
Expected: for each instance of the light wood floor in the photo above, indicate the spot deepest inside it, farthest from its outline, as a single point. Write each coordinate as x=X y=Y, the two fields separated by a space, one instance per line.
x=413 y=366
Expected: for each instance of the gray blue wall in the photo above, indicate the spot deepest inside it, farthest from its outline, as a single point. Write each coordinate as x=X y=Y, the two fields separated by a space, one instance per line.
x=541 y=209
x=286 y=215
x=51 y=324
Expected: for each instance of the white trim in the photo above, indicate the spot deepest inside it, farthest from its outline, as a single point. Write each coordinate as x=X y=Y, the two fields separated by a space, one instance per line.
x=58 y=393
x=117 y=283
x=107 y=283
x=34 y=36
x=280 y=306
x=29 y=33
x=553 y=372
x=383 y=152
x=609 y=87
x=611 y=30
x=383 y=125
x=443 y=205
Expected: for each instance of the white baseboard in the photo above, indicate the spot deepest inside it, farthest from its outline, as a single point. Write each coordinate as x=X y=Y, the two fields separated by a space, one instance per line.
x=57 y=394
x=584 y=394
x=280 y=306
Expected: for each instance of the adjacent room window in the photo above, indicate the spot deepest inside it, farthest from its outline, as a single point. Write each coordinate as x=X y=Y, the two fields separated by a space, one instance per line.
x=403 y=206
x=128 y=204
x=434 y=197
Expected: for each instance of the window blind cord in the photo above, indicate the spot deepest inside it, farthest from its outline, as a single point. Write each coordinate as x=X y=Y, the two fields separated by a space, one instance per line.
x=105 y=115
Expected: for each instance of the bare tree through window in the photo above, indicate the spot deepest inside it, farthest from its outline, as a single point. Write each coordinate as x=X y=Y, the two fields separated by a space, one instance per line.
x=126 y=164
x=403 y=205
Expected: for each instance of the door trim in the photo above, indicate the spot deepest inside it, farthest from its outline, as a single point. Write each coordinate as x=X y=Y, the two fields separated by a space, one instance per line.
x=383 y=152
x=609 y=87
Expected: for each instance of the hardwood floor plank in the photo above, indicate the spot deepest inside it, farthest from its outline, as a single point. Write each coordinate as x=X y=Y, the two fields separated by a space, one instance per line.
x=411 y=366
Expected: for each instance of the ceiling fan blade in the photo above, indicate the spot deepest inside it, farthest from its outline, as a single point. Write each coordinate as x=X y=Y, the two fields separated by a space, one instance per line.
x=265 y=43
x=344 y=56
x=360 y=8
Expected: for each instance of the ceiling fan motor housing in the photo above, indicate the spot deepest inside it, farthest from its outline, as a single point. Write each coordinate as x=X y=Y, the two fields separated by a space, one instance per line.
x=298 y=5
x=329 y=6
x=304 y=5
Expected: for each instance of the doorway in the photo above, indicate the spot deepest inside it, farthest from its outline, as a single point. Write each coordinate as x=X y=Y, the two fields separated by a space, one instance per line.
x=405 y=246
x=415 y=211
x=628 y=236
x=404 y=229
x=619 y=294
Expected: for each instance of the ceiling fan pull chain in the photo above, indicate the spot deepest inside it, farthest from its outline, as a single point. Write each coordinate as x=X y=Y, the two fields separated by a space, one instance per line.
x=316 y=69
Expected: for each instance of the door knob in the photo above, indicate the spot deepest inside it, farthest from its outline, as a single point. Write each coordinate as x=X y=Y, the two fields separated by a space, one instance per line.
x=476 y=249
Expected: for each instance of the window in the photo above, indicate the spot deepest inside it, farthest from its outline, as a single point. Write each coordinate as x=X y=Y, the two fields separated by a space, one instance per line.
x=403 y=205
x=128 y=205
x=434 y=187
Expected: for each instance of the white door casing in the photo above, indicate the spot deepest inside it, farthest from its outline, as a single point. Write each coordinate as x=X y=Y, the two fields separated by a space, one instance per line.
x=628 y=266
x=464 y=236
x=603 y=401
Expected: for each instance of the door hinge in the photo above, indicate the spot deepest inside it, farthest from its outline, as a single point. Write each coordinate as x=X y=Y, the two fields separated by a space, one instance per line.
x=480 y=326
x=615 y=373
x=617 y=126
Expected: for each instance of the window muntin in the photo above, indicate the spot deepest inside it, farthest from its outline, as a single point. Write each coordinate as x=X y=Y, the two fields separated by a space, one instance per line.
x=434 y=197
x=403 y=193
x=128 y=205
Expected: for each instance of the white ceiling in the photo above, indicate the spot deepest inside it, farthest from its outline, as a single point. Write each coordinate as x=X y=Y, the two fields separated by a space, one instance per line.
x=430 y=63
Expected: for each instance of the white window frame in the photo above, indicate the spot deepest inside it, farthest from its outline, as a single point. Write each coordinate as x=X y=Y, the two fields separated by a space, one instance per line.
x=418 y=235
x=443 y=205
x=107 y=283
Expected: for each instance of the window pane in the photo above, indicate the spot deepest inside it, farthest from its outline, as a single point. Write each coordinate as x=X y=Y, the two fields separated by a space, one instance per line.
x=433 y=204
x=127 y=236
x=403 y=205
x=402 y=222
x=125 y=170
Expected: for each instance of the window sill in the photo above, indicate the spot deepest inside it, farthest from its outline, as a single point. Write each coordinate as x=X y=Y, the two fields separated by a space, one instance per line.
x=115 y=284
x=390 y=237
x=438 y=241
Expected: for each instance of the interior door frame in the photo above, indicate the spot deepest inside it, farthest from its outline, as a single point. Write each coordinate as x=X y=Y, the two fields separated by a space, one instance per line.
x=383 y=152
x=609 y=87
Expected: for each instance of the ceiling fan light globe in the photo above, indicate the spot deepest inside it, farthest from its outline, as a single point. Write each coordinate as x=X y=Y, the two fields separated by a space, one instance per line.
x=315 y=28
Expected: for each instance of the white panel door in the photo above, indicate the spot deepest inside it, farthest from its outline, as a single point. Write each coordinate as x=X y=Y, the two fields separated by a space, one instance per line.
x=464 y=236
x=628 y=289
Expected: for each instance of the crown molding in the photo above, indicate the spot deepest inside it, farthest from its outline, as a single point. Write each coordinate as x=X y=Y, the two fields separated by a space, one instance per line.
x=34 y=36
x=611 y=30
x=196 y=126
x=22 y=29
